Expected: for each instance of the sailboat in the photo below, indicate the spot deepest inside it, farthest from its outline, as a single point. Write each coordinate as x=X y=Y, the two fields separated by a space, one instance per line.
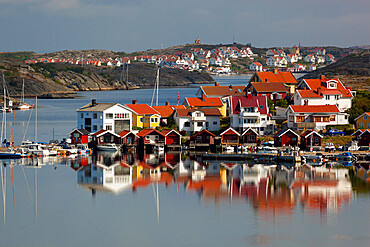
x=155 y=91
x=24 y=106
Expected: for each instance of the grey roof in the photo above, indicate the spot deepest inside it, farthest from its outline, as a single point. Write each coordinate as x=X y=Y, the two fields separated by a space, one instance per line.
x=97 y=107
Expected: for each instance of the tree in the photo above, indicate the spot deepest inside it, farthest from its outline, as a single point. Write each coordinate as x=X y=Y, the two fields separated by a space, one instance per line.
x=360 y=104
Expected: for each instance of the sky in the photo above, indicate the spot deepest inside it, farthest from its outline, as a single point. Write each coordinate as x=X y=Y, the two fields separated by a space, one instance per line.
x=136 y=25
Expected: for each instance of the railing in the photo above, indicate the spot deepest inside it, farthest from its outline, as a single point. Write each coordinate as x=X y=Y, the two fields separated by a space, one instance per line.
x=197 y=119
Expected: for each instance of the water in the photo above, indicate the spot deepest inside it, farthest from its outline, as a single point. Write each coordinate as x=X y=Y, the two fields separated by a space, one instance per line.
x=189 y=204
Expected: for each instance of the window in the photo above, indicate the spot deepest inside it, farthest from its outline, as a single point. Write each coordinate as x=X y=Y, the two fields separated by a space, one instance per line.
x=187 y=124
x=95 y=128
x=327 y=97
x=291 y=119
x=207 y=124
x=109 y=115
x=154 y=120
x=82 y=115
x=368 y=125
x=317 y=119
x=261 y=106
x=326 y=119
x=200 y=124
x=95 y=116
x=361 y=125
x=332 y=118
x=300 y=119
x=108 y=127
x=76 y=135
x=365 y=117
x=198 y=114
x=199 y=137
x=100 y=116
x=141 y=120
x=337 y=97
x=214 y=122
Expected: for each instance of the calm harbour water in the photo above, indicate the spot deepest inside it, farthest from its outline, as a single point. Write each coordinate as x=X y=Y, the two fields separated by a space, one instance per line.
x=63 y=202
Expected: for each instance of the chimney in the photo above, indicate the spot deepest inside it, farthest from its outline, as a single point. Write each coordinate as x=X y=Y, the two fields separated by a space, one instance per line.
x=167 y=103
x=275 y=71
x=93 y=102
x=217 y=84
x=203 y=97
x=265 y=79
x=231 y=86
x=134 y=101
x=319 y=90
x=322 y=77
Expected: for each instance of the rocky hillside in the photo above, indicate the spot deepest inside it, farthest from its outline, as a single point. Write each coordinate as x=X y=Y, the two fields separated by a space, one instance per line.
x=56 y=80
x=354 y=69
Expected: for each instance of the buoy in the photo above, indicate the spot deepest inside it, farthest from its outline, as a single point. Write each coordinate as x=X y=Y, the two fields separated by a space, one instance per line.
x=313 y=160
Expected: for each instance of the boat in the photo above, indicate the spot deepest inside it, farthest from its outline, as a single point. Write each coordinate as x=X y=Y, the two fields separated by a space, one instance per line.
x=10 y=154
x=107 y=147
x=313 y=160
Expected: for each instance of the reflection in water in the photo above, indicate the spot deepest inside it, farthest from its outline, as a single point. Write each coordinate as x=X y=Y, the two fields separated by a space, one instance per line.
x=269 y=189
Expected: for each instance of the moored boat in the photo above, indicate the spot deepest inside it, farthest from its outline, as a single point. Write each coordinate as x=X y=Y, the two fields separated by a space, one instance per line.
x=107 y=147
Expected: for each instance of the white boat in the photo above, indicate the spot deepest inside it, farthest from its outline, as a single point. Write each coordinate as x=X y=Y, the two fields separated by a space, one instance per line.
x=107 y=147
x=266 y=149
x=37 y=149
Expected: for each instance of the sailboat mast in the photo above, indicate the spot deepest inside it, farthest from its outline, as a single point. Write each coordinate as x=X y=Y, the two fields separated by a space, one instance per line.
x=157 y=85
x=36 y=122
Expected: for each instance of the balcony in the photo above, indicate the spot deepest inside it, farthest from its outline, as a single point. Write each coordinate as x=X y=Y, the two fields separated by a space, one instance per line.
x=198 y=119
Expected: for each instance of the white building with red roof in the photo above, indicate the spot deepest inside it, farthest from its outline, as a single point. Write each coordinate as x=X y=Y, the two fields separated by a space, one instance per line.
x=255 y=66
x=315 y=116
x=323 y=92
x=249 y=112
x=192 y=120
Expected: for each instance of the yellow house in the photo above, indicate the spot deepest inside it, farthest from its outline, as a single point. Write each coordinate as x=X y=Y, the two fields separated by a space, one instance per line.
x=205 y=102
x=363 y=121
x=144 y=116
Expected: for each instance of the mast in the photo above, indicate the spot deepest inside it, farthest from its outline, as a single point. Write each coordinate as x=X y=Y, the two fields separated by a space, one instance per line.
x=36 y=123
x=23 y=91
x=3 y=123
x=155 y=91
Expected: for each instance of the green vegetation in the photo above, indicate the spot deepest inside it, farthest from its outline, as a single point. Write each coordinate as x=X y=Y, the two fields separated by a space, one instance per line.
x=54 y=68
x=337 y=140
x=360 y=104
x=21 y=55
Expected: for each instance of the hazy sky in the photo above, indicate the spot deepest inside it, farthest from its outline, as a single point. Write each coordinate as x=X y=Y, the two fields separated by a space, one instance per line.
x=134 y=25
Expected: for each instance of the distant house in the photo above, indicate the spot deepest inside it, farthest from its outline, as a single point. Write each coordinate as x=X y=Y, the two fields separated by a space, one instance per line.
x=294 y=50
x=79 y=136
x=272 y=53
x=109 y=116
x=310 y=58
x=363 y=121
x=286 y=137
x=230 y=137
x=255 y=66
x=310 y=139
x=329 y=58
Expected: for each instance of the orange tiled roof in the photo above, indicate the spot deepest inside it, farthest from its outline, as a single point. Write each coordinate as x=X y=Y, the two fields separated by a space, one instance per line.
x=282 y=76
x=209 y=101
x=262 y=87
x=207 y=112
x=164 y=110
x=142 y=109
x=314 y=108
x=222 y=90
x=313 y=84
x=145 y=132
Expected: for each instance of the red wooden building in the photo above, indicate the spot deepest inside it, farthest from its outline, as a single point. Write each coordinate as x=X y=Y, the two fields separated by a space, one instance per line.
x=286 y=137
x=172 y=137
x=309 y=139
x=364 y=138
x=106 y=136
x=128 y=138
x=79 y=136
x=230 y=137
x=150 y=137
x=203 y=137
x=249 y=137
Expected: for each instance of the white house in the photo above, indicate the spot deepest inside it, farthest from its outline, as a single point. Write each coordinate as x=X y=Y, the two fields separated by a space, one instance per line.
x=314 y=116
x=216 y=61
x=249 y=112
x=291 y=58
x=110 y=116
x=272 y=53
x=329 y=58
x=312 y=67
x=310 y=58
x=272 y=61
x=192 y=120
x=323 y=92
x=255 y=66
x=319 y=59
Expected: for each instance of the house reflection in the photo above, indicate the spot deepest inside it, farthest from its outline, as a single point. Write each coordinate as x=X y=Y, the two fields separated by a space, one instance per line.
x=270 y=190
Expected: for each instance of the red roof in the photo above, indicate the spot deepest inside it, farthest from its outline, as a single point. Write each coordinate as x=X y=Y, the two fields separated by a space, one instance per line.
x=142 y=109
x=257 y=63
x=314 y=108
x=314 y=84
x=251 y=101
x=167 y=131
x=99 y=132
x=197 y=102
x=164 y=110
x=201 y=132
x=281 y=76
x=223 y=90
x=145 y=132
